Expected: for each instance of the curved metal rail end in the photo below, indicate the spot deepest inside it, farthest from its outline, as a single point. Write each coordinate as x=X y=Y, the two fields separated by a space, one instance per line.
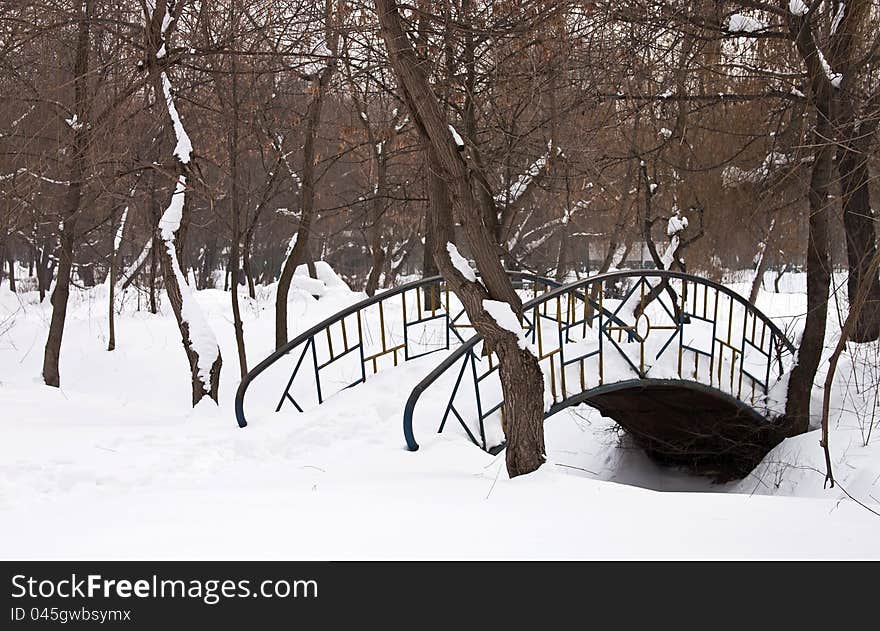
x=239 y=403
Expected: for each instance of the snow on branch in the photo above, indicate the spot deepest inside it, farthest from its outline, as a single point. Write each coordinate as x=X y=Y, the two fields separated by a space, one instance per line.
x=523 y=182
x=834 y=77
x=8 y=176
x=739 y=23
x=733 y=175
x=838 y=17
x=798 y=7
x=456 y=138
x=319 y=57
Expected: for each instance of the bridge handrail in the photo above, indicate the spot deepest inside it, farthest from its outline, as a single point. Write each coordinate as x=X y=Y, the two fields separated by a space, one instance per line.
x=311 y=332
x=466 y=347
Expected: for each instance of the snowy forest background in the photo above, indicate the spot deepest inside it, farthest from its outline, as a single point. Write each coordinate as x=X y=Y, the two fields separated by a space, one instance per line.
x=168 y=167
x=710 y=100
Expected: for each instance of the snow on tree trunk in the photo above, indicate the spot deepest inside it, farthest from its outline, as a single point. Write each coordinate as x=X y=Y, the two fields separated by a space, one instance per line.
x=761 y=262
x=132 y=270
x=199 y=341
x=676 y=225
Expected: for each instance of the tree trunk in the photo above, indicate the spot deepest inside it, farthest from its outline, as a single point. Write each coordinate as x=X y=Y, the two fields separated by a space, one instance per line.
x=521 y=376
x=248 y=241
x=86 y=273
x=858 y=223
x=114 y=265
x=209 y=262
x=562 y=255
x=758 y=280
x=61 y=293
x=301 y=247
x=378 y=264
x=236 y=310
x=236 y=218
x=172 y=276
x=437 y=189
x=195 y=332
x=374 y=230
x=855 y=123
x=800 y=384
x=11 y=260
x=154 y=267
x=111 y=312
x=246 y=266
x=761 y=267
x=779 y=274
x=297 y=254
x=45 y=268
x=3 y=259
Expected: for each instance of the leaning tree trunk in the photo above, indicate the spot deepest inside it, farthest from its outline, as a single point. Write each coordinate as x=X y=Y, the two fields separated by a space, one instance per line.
x=199 y=344
x=763 y=262
x=521 y=377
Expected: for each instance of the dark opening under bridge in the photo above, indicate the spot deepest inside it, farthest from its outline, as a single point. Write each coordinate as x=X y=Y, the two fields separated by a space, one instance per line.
x=680 y=362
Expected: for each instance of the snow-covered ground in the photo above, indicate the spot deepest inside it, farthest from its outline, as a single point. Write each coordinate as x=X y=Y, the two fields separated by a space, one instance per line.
x=115 y=464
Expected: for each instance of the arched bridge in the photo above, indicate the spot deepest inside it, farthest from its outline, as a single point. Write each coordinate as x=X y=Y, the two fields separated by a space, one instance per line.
x=682 y=363
x=404 y=323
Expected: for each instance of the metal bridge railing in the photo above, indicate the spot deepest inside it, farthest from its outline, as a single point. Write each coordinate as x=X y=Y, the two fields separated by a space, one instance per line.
x=611 y=328
x=394 y=326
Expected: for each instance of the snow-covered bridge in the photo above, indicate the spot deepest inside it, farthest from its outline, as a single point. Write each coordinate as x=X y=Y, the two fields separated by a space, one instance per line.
x=682 y=363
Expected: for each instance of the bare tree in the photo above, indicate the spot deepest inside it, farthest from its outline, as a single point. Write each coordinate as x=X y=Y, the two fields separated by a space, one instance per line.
x=201 y=348
x=321 y=82
x=521 y=376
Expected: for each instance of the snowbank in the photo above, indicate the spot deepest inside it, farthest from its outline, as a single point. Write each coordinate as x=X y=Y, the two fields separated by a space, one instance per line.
x=118 y=456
